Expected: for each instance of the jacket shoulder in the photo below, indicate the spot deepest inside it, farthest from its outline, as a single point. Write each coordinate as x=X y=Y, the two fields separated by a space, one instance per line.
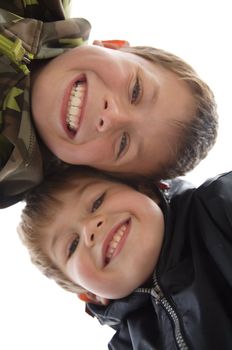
x=215 y=198
x=213 y=208
x=218 y=189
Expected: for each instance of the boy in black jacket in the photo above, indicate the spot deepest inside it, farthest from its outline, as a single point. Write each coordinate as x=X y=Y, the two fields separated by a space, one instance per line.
x=157 y=271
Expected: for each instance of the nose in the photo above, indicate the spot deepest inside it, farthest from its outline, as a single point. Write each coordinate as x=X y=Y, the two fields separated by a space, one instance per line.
x=111 y=116
x=92 y=230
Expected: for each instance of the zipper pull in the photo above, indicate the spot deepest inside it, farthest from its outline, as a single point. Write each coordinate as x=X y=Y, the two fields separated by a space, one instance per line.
x=157 y=293
x=16 y=52
x=26 y=58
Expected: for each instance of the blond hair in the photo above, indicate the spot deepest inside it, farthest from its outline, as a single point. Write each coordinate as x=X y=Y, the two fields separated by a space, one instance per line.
x=198 y=135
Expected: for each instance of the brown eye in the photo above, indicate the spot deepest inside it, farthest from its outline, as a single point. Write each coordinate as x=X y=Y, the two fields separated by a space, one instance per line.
x=136 y=91
x=73 y=246
x=98 y=202
x=123 y=144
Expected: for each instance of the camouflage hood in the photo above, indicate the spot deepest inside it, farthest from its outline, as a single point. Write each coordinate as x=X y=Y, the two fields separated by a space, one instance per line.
x=29 y=30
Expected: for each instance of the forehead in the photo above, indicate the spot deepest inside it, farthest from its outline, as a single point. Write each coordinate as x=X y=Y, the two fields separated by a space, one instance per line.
x=86 y=56
x=80 y=182
x=77 y=184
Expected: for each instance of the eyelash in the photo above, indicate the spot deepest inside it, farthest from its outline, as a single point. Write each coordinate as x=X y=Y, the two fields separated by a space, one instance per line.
x=136 y=91
x=134 y=98
x=98 y=202
x=73 y=246
x=123 y=144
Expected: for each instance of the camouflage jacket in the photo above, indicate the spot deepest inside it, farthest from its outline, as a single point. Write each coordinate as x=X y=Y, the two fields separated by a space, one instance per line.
x=29 y=30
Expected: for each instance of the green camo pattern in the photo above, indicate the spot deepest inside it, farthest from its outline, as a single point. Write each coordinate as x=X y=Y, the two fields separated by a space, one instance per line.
x=29 y=30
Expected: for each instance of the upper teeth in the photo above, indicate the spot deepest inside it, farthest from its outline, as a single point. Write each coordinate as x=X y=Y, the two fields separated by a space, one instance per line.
x=114 y=242
x=74 y=106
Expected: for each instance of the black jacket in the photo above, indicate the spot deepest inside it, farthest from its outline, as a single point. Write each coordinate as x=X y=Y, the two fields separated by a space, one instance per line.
x=188 y=304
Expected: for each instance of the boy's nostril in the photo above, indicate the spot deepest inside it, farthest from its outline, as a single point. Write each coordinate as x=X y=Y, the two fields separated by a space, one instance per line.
x=99 y=223
x=101 y=123
x=92 y=237
x=106 y=105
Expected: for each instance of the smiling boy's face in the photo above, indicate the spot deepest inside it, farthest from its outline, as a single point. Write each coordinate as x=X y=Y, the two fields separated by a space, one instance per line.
x=106 y=236
x=109 y=109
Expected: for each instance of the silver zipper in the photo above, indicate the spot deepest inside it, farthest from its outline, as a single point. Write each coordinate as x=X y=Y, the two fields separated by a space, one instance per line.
x=26 y=59
x=15 y=51
x=157 y=293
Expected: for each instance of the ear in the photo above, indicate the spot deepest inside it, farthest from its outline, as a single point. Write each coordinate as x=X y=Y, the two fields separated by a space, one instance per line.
x=92 y=298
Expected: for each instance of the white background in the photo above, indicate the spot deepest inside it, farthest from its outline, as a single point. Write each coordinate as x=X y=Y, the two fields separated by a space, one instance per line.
x=34 y=312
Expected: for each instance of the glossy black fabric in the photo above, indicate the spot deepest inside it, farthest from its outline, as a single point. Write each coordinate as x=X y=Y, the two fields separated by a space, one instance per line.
x=195 y=273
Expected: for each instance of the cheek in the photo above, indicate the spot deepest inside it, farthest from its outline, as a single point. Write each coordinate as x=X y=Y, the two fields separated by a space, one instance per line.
x=95 y=153
x=44 y=106
x=82 y=272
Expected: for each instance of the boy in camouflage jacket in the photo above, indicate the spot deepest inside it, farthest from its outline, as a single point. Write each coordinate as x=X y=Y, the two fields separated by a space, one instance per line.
x=180 y=124
x=29 y=30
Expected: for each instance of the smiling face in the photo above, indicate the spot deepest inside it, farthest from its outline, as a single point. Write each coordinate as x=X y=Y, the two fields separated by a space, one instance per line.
x=110 y=109
x=106 y=237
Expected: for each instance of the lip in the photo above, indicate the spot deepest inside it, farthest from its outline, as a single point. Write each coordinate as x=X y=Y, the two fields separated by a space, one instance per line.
x=64 y=105
x=110 y=236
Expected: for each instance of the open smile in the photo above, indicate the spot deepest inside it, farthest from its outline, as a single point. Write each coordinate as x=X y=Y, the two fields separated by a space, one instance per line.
x=73 y=111
x=115 y=240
